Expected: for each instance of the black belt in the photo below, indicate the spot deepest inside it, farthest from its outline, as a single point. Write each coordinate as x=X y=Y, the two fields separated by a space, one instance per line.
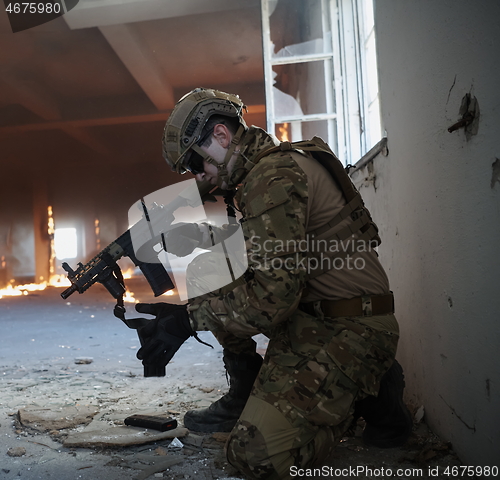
x=364 y=306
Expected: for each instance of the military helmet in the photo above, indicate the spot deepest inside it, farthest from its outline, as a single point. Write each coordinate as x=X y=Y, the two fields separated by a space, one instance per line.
x=184 y=127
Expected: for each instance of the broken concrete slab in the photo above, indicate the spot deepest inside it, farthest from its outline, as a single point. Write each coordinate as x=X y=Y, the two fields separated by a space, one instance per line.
x=110 y=436
x=56 y=418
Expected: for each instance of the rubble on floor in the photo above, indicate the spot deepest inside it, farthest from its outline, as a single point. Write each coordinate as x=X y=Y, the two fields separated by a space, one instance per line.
x=60 y=413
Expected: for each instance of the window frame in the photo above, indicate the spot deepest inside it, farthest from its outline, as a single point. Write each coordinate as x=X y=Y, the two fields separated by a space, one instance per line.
x=348 y=126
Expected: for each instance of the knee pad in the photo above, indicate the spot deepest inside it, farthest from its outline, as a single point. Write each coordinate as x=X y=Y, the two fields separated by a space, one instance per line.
x=247 y=452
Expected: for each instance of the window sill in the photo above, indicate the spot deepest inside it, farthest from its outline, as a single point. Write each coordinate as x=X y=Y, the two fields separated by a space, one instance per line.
x=380 y=147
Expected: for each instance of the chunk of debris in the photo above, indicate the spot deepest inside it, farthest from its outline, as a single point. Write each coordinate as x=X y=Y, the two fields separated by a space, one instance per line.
x=49 y=419
x=161 y=451
x=16 y=452
x=158 y=467
x=83 y=360
x=110 y=436
x=175 y=443
x=206 y=389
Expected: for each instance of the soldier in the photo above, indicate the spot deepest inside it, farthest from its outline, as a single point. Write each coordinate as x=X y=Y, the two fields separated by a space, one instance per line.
x=314 y=286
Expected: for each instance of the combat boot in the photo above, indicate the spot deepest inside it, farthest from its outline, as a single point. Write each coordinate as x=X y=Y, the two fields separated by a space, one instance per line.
x=222 y=415
x=388 y=421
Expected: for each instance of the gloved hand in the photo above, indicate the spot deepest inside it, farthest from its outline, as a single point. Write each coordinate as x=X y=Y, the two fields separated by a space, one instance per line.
x=183 y=239
x=164 y=335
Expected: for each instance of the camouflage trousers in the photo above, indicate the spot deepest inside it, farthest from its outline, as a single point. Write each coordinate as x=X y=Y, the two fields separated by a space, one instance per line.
x=302 y=402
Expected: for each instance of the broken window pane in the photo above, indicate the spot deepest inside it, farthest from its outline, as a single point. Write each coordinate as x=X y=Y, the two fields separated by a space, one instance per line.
x=299 y=28
x=302 y=89
x=301 y=130
x=320 y=66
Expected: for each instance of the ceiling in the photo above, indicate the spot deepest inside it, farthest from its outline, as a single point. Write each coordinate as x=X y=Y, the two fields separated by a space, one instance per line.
x=84 y=98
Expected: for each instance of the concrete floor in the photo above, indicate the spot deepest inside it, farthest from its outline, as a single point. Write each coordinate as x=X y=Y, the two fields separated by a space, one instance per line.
x=41 y=339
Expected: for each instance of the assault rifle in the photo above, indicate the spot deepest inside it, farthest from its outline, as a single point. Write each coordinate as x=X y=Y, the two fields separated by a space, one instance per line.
x=103 y=268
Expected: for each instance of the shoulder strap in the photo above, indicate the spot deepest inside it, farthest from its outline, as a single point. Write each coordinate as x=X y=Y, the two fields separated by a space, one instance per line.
x=321 y=152
x=324 y=155
x=268 y=151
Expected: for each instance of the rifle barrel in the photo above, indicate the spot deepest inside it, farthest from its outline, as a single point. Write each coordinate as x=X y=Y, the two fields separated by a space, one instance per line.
x=69 y=291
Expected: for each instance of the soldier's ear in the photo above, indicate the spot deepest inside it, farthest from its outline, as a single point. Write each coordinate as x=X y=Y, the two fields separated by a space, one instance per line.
x=222 y=135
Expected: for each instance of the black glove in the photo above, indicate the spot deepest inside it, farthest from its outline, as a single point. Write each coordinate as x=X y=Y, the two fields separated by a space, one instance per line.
x=183 y=239
x=164 y=335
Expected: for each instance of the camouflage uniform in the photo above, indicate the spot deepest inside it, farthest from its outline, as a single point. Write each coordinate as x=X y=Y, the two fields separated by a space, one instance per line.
x=315 y=367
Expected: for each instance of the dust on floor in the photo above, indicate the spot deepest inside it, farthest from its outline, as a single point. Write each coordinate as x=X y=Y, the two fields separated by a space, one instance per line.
x=69 y=378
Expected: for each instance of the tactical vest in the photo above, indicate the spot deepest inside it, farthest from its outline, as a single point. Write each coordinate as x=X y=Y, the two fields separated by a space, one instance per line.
x=362 y=225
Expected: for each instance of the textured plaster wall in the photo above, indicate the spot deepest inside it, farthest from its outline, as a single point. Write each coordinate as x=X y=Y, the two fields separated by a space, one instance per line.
x=436 y=198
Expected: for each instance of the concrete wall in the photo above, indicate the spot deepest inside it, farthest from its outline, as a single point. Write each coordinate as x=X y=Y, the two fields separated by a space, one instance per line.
x=16 y=234
x=436 y=198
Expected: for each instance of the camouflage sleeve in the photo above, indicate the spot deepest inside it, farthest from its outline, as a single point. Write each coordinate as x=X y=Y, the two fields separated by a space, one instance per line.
x=273 y=201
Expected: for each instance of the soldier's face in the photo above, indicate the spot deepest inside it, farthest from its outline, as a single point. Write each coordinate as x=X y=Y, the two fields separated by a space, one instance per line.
x=221 y=140
x=210 y=173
